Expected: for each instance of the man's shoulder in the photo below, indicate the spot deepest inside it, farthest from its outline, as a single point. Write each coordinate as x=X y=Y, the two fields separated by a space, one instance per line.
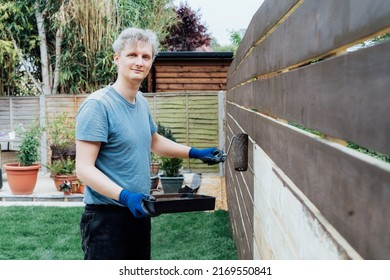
x=99 y=94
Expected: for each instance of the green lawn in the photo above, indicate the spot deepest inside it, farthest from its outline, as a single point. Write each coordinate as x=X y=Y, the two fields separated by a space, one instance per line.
x=52 y=233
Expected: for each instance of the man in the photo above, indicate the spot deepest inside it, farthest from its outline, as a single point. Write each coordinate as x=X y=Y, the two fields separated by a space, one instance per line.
x=115 y=134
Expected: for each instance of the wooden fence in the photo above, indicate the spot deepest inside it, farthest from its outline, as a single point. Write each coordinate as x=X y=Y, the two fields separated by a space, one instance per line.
x=193 y=117
x=306 y=196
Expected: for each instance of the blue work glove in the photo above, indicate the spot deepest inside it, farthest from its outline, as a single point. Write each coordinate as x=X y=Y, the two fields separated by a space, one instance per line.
x=135 y=202
x=208 y=155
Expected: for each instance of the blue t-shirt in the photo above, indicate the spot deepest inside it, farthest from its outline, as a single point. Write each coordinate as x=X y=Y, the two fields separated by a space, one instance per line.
x=125 y=132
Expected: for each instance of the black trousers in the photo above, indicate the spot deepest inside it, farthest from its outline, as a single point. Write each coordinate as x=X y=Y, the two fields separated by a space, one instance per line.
x=110 y=232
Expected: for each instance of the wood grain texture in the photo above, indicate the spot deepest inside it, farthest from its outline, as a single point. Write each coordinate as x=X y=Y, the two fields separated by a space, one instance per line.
x=350 y=190
x=313 y=29
x=345 y=97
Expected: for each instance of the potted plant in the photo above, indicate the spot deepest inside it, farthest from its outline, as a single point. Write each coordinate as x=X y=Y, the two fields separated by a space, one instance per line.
x=61 y=132
x=171 y=179
x=154 y=172
x=154 y=165
x=63 y=170
x=22 y=176
x=61 y=140
x=66 y=187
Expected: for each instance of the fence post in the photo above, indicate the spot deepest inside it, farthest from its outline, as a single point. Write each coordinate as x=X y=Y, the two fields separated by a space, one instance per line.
x=42 y=121
x=221 y=126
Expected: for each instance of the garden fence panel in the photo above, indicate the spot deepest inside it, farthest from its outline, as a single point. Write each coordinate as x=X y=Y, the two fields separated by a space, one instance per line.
x=301 y=93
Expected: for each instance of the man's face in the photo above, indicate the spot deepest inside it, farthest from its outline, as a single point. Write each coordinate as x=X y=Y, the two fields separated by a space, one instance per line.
x=134 y=61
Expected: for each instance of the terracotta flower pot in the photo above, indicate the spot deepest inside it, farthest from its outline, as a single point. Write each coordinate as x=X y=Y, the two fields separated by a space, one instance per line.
x=82 y=188
x=21 y=179
x=58 y=179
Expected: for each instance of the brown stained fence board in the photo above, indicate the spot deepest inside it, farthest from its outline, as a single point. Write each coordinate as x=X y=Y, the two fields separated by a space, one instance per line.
x=352 y=194
x=243 y=221
x=236 y=222
x=244 y=180
x=315 y=28
x=244 y=188
x=240 y=198
x=341 y=97
x=244 y=119
x=233 y=215
x=247 y=187
x=266 y=17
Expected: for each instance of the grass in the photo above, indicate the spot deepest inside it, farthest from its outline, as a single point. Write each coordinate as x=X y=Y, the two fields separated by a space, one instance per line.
x=52 y=233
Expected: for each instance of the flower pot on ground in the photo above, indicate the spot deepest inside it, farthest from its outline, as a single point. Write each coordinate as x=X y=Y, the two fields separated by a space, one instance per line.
x=22 y=179
x=81 y=187
x=22 y=176
x=154 y=180
x=66 y=187
x=171 y=179
x=154 y=173
x=63 y=170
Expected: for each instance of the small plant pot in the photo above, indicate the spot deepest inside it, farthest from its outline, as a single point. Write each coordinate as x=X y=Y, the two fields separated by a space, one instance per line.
x=154 y=180
x=154 y=168
x=82 y=187
x=59 y=179
x=171 y=184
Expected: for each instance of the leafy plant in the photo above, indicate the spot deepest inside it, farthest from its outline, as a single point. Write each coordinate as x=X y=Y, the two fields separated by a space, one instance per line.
x=170 y=166
x=65 y=167
x=66 y=186
x=28 y=150
x=61 y=131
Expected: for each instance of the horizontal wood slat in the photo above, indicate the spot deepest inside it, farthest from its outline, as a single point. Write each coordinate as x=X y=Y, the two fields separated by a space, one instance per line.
x=351 y=190
x=242 y=232
x=192 y=69
x=191 y=80
x=201 y=74
x=346 y=97
x=265 y=18
x=313 y=29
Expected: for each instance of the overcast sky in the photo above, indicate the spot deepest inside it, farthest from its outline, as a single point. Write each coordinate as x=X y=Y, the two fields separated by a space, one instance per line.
x=220 y=16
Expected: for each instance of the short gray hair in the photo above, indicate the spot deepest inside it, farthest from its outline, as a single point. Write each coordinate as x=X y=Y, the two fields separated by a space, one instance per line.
x=132 y=35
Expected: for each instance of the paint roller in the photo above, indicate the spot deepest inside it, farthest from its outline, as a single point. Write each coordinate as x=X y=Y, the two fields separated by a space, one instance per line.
x=240 y=149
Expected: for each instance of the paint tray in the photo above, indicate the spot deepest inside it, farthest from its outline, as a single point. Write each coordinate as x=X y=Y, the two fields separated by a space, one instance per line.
x=180 y=202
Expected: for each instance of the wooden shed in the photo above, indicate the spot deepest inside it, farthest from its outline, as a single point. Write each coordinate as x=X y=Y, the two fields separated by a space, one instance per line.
x=189 y=71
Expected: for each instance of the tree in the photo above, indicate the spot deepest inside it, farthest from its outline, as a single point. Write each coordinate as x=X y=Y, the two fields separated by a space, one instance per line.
x=65 y=45
x=235 y=40
x=16 y=24
x=189 y=33
x=27 y=28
